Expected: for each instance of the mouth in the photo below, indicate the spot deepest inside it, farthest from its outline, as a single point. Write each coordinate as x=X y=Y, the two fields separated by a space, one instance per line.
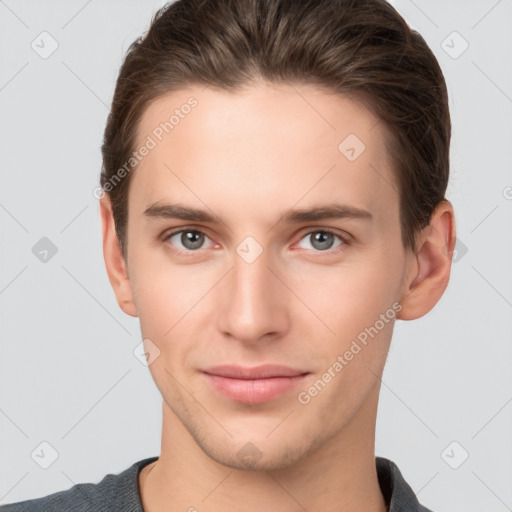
x=253 y=385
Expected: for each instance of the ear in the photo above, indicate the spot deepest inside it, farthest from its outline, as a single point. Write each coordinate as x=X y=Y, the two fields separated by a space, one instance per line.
x=429 y=266
x=117 y=268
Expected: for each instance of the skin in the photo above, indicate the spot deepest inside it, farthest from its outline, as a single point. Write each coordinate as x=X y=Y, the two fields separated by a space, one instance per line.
x=249 y=157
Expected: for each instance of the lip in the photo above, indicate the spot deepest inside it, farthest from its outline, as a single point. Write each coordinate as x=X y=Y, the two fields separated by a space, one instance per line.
x=253 y=385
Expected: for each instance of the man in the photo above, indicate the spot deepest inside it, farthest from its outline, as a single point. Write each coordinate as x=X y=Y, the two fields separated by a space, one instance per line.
x=273 y=200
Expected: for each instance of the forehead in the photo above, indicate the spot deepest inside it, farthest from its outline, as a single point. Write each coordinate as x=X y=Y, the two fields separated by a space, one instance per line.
x=263 y=142
x=299 y=110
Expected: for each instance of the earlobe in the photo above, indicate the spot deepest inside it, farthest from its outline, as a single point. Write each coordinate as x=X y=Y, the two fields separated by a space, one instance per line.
x=430 y=264
x=114 y=260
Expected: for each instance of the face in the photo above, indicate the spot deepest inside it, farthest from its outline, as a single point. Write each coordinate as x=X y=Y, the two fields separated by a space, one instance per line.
x=271 y=308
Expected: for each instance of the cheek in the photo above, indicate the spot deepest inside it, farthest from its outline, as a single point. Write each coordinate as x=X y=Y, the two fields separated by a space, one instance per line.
x=349 y=298
x=350 y=301
x=162 y=291
x=351 y=359
x=174 y=306
x=162 y=300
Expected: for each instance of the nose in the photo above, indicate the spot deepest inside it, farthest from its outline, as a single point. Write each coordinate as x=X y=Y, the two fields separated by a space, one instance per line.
x=252 y=301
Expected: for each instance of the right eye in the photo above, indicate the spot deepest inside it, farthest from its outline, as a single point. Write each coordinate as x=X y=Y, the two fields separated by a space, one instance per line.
x=190 y=239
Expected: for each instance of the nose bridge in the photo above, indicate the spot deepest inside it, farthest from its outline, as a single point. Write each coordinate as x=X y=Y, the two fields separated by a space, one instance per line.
x=252 y=307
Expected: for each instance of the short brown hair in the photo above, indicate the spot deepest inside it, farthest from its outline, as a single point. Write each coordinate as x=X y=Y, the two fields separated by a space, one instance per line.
x=359 y=48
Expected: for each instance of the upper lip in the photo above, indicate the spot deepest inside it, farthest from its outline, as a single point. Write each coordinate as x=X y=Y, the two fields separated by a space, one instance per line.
x=266 y=371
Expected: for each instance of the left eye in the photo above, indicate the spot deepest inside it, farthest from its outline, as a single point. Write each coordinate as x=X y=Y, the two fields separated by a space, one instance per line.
x=322 y=240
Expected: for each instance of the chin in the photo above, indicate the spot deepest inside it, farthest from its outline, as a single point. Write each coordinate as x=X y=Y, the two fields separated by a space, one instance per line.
x=250 y=458
x=261 y=454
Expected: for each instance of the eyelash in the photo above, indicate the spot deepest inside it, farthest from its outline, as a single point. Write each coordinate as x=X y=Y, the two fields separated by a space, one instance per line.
x=345 y=240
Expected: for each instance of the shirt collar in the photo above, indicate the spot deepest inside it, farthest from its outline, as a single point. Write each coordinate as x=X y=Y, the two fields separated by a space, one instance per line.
x=397 y=492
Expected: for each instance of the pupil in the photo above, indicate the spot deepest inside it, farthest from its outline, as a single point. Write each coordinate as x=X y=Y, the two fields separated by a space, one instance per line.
x=324 y=239
x=191 y=239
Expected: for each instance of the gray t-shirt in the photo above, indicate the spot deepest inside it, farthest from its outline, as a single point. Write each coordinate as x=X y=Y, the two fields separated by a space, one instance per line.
x=120 y=493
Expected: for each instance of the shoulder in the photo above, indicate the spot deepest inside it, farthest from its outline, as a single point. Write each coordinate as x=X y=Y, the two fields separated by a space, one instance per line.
x=115 y=492
x=397 y=492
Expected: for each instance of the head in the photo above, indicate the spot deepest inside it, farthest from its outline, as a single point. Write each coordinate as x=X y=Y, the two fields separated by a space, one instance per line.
x=261 y=115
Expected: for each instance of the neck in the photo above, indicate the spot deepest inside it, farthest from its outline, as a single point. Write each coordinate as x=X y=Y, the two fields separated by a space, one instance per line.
x=339 y=475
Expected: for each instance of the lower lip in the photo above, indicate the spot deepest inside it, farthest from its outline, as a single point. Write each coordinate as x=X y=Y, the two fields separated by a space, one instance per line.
x=253 y=391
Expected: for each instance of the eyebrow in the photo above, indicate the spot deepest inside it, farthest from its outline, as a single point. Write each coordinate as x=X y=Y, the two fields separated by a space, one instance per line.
x=292 y=216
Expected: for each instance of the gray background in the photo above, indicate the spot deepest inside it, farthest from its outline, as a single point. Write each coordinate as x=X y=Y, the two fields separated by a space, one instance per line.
x=68 y=373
